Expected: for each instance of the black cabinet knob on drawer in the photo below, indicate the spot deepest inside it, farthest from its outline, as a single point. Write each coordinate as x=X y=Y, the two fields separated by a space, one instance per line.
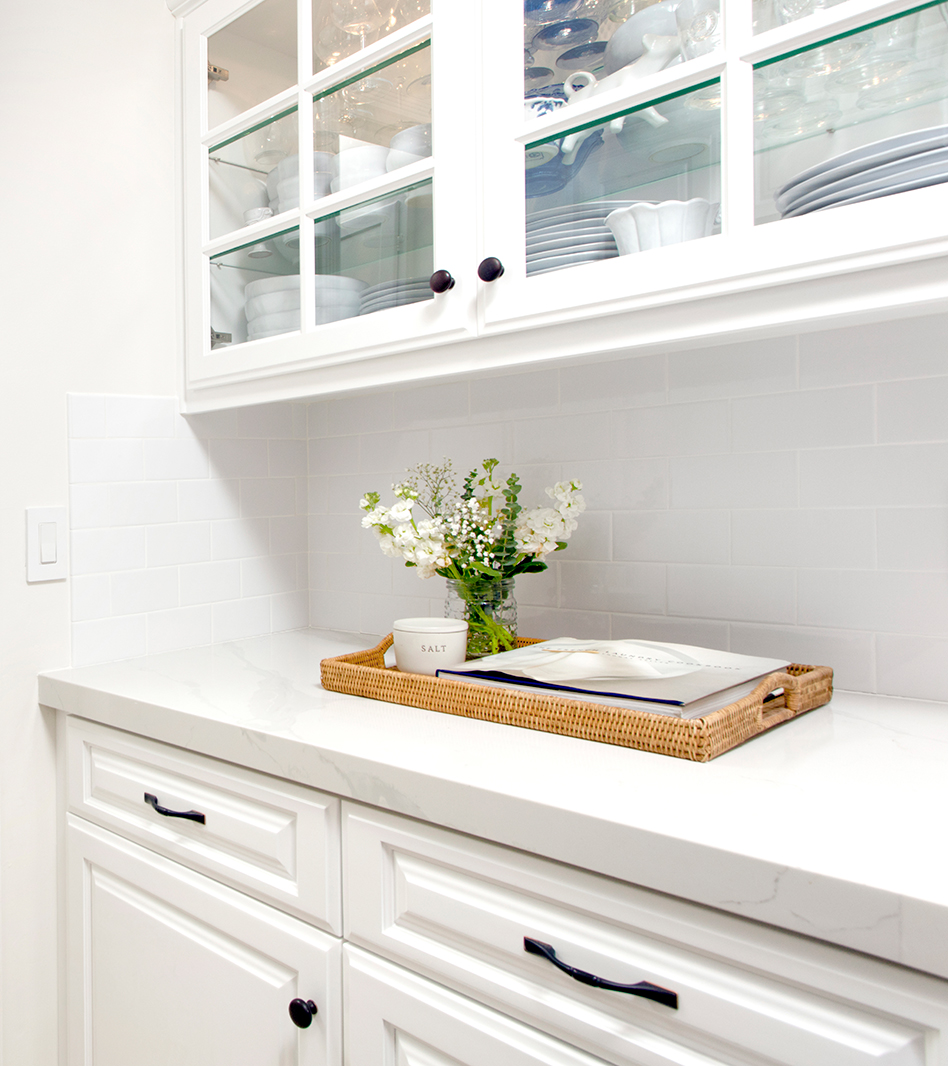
x=441 y=281
x=302 y=1011
x=490 y=269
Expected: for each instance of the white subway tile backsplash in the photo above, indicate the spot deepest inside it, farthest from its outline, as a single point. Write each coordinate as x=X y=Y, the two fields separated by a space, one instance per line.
x=818 y=418
x=886 y=475
x=785 y=496
x=672 y=536
x=209 y=582
x=179 y=542
x=912 y=538
x=673 y=429
x=140 y=503
x=747 y=480
x=182 y=627
x=834 y=538
x=176 y=459
x=107 y=639
x=735 y=593
x=140 y=591
x=140 y=416
x=631 y=382
x=744 y=368
x=105 y=460
x=240 y=618
x=914 y=410
x=91 y=597
x=100 y=551
x=267 y=496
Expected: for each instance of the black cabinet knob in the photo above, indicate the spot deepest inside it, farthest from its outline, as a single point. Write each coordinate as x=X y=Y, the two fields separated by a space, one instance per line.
x=302 y=1011
x=490 y=269
x=441 y=281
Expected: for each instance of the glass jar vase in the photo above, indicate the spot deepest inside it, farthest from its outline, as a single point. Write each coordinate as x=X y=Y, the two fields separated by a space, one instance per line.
x=489 y=607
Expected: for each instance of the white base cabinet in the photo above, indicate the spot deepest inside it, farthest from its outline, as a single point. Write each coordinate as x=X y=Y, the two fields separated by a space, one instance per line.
x=168 y=965
x=165 y=966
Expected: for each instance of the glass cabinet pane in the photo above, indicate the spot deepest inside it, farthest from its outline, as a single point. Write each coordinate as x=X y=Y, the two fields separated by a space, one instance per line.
x=601 y=39
x=383 y=248
x=253 y=176
x=860 y=116
x=639 y=180
x=254 y=58
x=343 y=27
x=376 y=123
x=255 y=289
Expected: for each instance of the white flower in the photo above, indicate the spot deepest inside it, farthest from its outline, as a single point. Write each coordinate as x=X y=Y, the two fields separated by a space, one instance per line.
x=539 y=530
x=378 y=516
x=401 y=512
x=387 y=544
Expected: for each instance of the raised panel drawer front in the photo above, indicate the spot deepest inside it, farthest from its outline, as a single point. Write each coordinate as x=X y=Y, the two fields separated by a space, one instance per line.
x=396 y=1018
x=277 y=840
x=167 y=967
x=459 y=909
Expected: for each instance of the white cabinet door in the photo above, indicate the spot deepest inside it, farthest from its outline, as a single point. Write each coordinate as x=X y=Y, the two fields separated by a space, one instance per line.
x=396 y=1018
x=165 y=966
x=292 y=265
x=723 y=140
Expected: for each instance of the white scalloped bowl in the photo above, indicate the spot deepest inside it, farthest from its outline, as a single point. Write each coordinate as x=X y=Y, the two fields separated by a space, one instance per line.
x=643 y=225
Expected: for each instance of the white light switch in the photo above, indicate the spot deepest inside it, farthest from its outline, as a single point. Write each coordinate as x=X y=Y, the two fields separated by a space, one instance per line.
x=46 y=543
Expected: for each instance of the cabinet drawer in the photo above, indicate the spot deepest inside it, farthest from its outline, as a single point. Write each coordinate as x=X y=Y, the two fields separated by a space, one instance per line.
x=274 y=839
x=459 y=909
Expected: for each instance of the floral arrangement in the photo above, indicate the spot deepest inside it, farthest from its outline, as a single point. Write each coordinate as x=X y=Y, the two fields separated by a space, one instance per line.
x=472 y=535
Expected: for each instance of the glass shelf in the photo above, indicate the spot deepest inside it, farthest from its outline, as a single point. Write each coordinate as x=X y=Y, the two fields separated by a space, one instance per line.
x=343 y=27
x=886 y=80
x=375 y=123
x=666 y=154
x=270 y=267
x=258 y=52
x=384 y=247
x=254 y=175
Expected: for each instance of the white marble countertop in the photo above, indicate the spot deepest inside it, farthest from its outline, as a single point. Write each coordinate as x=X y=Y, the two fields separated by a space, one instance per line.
x=832 y=825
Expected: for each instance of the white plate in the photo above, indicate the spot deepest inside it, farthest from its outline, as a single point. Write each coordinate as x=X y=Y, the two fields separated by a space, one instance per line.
x=891 y=173
x=410 y=294
x=567 y=212
x=554 y=262
x=931 y=174
x=385 y=305
x=870 y=155
x=570 y=244
x=586 y=229
x=391 y=286
x=576 y=248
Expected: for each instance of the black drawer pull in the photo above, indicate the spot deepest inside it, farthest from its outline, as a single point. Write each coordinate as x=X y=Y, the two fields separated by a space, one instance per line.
x=643 y=988
x=194 y=816
x=302 y=1012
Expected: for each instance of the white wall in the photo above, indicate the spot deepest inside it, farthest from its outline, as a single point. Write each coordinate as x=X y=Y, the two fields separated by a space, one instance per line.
x=86 y=304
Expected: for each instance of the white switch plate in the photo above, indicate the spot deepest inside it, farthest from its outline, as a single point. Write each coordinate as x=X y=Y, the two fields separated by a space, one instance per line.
x=46 y=537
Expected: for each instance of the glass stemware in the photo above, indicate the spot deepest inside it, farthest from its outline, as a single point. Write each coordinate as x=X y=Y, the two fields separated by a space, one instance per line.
x=360 y=17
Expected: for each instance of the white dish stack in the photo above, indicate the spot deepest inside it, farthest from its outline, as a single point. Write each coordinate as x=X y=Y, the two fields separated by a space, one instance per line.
x=394 y=294
x=272 y=305
x=895 y=164
x=283 y=182
x=568 y=235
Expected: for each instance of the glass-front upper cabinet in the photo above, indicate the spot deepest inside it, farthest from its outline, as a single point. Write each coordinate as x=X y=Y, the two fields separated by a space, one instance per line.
x=644 y=152
x=327 y=178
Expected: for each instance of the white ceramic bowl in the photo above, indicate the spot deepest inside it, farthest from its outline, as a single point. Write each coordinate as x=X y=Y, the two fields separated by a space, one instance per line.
x=283 y=283
x=359 y=164
x=625 y=46
x=416 y=139
x=339 y=281
x=268 y=303
x=396 y=159
x=643 y=225
x=425 y=645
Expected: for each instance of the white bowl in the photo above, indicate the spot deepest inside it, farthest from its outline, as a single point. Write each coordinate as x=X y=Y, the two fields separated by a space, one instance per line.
x=339 y=281
x=275 y=320
x=416 y=139
x=268 y=303
x=643 y=225
x=425 y=645
x=359 y=164
x=283 y=283
x=398 y=159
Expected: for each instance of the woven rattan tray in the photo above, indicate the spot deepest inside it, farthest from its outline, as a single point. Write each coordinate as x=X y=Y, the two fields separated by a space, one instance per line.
x=363 y=673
